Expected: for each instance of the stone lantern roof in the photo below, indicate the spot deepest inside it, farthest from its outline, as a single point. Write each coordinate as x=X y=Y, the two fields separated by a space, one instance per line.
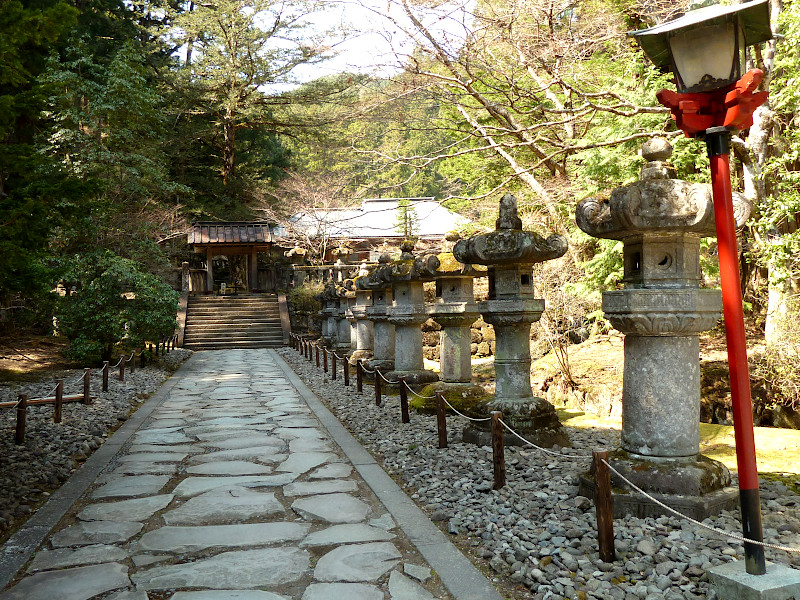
x=508 y=245
x=656 y=203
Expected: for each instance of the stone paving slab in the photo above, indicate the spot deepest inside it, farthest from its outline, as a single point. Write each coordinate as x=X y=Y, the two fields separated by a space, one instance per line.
x=95 y=532
x=228 y=595
x=192 y=486
x=334 y=508
x=47 y=560
x=239 y=569
x=192 y=539
x=130 y=486
x=137 y=509
x=347 y=533
x=80 y=583
x=221 y=505
x=357 y=562
x=229 y=467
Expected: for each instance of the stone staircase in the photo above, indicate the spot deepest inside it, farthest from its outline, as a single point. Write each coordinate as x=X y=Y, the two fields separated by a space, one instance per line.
x=241 y=321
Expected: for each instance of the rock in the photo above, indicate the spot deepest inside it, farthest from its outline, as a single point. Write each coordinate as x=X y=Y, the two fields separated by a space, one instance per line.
x=239 y=569
x=357 y=563
x=79 y=583
x=334 y=508
x=402 y=588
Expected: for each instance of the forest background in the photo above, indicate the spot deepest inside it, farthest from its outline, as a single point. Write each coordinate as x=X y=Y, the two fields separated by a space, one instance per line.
x=124 y=121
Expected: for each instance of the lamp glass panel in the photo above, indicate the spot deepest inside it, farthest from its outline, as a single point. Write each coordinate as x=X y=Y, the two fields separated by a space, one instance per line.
x=704 y=56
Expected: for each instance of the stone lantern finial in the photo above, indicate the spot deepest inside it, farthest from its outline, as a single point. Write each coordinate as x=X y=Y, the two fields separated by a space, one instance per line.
x=507 y=216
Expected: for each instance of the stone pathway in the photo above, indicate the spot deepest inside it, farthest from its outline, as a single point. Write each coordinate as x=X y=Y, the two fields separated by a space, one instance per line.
x=232 y=488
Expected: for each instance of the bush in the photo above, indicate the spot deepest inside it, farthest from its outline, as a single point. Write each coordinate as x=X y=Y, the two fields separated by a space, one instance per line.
x=110 y=300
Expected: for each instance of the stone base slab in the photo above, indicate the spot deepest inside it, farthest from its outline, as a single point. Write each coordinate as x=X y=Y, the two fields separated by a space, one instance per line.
x=420 y=377
x=732 y=581
x=637 y=505
x=384 y=364
x=480 y=435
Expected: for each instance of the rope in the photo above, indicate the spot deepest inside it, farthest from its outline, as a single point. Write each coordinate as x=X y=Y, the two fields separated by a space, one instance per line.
x=131 y=357
x=529 y=443
x=733 y=536
x=78 y=380
x=121 y=358
x=460 y=414
x=386 y=380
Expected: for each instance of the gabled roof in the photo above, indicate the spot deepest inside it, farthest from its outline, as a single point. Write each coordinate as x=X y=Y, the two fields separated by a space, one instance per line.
x=378 y=218
x=233 y=232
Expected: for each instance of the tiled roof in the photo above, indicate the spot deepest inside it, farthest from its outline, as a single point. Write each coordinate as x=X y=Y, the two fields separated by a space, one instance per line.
x=231 y=233
x=378 y=218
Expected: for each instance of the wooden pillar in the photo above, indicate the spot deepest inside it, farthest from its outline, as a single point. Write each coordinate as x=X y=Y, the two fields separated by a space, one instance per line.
x=209 y=269
x=253 y=264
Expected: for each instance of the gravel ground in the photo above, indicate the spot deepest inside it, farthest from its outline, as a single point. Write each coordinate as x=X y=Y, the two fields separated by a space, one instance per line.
x=536 y=538
x=29 y=473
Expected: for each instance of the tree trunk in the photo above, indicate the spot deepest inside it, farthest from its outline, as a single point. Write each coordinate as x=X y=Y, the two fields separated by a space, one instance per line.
x=228 y=150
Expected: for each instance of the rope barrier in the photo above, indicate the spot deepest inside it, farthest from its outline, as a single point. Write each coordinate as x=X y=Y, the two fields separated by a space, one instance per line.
x=121 y=358
x=733 y=536
x=460 y=414
x=716 y=530
x=386 y=380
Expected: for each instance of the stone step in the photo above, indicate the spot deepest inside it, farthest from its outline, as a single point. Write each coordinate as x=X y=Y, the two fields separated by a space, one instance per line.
x=220 y=345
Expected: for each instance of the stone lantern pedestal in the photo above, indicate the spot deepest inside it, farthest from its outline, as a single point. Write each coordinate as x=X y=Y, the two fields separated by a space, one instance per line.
x=364 y=326
x=342 y=324
x=327 y=315
x=407 y=313
x=509 y=254
x=352 y=321
x=455 y=310
x=383 y=331
x=662 y=310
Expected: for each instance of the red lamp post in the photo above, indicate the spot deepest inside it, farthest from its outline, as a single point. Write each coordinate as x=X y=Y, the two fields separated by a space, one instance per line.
x=705 y=50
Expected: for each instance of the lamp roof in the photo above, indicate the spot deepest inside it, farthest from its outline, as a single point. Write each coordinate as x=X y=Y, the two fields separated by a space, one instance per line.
x=755 y=24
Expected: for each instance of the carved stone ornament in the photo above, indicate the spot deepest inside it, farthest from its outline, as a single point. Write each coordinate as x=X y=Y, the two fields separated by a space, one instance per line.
x=508 y=244
x=662 y=312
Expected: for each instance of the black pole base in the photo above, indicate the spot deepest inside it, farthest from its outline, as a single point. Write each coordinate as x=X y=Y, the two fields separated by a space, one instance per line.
x=754 y=561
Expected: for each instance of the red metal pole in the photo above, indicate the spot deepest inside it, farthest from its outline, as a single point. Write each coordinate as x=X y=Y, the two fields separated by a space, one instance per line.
x=718 y=143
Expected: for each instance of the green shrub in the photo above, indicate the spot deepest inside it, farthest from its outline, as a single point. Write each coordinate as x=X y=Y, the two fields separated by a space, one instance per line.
x=109 y=301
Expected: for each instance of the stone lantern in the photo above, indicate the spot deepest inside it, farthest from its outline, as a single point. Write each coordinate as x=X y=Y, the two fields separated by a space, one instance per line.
x=455 y=310
x=509 y=254
x=383 y=340
x=297 y=256
x=407 y=275
x=364 y=326
x=662 y=310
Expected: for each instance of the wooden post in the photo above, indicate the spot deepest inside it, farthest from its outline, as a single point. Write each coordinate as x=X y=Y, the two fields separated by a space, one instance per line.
x=316 y=351
x=87 y=399
x=122 y=368
x=603 y=505
x=377 y=386
x=22 y=412
x=310 y=351
x=133 y=362
x=498 y=451
x=105 y=375
x=441 y=420
x=151 y=351
x=333 y=366
x=324 y=359
x=59 y=399
x=359 y=376
x=142 y=358
x=404 y=416
x=346 y=371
